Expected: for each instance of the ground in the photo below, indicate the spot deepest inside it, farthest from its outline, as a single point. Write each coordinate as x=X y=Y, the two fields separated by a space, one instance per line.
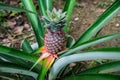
x=84 y=14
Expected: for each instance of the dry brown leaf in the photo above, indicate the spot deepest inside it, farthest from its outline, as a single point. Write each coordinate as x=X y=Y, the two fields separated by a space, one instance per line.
x=11 y=24
x=26 y=26
x=18 y=29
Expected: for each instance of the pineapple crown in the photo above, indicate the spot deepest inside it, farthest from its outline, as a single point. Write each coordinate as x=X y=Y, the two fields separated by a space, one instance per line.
x=55 y=20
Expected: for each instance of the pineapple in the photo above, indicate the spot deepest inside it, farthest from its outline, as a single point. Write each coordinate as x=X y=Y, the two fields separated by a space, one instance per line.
x=54 y=39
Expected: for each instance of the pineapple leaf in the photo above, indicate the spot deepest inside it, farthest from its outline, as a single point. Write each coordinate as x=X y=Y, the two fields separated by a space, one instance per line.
x=68 y=8
x=14 y=60
x=48 y=4
x=107 y=49
x=17 y=54
x=35 y=22
x=91 y=42
x=26 y=46
x=93 y=77
x=64 y=61
x=46 y=66
x=7 y=76
x=12 y=68
x=104 y=68
x=70 y=41
x=10 y=7
x=42 y=7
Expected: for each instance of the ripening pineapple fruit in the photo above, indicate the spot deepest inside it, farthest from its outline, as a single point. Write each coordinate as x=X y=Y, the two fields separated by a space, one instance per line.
x=54 y=39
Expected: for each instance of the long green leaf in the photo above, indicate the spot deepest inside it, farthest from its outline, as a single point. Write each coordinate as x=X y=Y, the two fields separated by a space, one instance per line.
x=26 y=46
x=42 y=7
x=34 y=19
x=104 y=68
x=64 y=61
x=7 y=76
x=107 y=49
x=10 y=7
x=10 y=76
x=69 y=6
x=19 y=62
x=70 y=41
x=100 y=22
x=46 y=65
x=48 y=4
x=93 y=77
x=11 y=68
x=43 y=71
x=92 y=42
x=18 y=54
x=45 y=5
x=14 y=60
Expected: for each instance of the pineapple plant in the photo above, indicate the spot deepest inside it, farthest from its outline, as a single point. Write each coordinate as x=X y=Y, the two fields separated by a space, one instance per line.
x=46 y=66
x=54 y=38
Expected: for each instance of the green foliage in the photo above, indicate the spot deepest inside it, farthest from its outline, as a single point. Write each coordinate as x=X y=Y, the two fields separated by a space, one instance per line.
x=104 y=68
x=35 y=22
x=17 y=53
x=93 y=77
x=11 y=68
x=9 y=7
x=14 y=61
x=83 y=56
x=68 y=8
x=26 y=46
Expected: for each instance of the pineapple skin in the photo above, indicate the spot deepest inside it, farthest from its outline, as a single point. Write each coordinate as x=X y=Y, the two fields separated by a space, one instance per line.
x=54 y=41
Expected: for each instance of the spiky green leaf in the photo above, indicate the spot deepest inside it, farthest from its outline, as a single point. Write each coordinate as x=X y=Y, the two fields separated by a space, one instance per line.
x=68 y=8
x=13 y=8
x=42 y=7
x=35 y=22
x=104 y=68
x=48 y=4
x=92 y=42
x=17 y=54
x=7 y=76
x=26 y=46
x=70 y=41
x=93 y=77
x=64 y=61
x=11 y=68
